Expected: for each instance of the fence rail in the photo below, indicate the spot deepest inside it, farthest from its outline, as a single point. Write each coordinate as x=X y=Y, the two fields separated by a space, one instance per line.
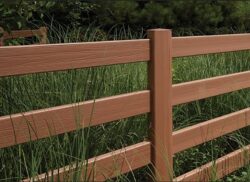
x=104 y=166
x=211 y=129
x=162 y=95
x=41 y=33
x=23 y=127
x=197 y=45
x=55 y=57
x=224 y=165
x=200 y=89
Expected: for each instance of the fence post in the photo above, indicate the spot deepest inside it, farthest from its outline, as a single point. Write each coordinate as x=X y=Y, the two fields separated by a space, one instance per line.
x=1 y=36
x=43 y=38
x=160 y=85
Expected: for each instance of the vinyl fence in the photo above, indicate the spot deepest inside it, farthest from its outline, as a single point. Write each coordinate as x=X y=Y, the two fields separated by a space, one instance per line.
x=158 y=50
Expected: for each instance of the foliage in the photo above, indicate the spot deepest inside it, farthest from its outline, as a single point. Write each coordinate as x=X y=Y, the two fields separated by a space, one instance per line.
x=19 y=14
x=194 y=17
x=110 y=12
x=198 y=17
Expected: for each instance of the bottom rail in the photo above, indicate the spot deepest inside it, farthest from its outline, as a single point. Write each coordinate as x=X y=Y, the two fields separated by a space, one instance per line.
x=102 y=167
x=219 y=168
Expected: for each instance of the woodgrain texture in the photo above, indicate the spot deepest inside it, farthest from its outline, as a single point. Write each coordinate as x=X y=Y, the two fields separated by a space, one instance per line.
x=197 y=45
x=221 y=167
x=200 y=89
x=160 y=83
x=104 y=166
x=194 y=135
x=15 y=60
x=20 y=128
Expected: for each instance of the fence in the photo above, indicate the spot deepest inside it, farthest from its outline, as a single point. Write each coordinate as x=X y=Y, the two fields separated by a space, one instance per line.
x=158 y=50
x=41 y=33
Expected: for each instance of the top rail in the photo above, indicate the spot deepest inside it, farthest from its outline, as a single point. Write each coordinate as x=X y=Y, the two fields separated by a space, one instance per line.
x=16 y=60
x=197 y=45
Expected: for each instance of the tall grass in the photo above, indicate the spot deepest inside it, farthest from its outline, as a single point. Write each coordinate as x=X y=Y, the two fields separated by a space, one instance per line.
x=193 y=68
x=36 y=91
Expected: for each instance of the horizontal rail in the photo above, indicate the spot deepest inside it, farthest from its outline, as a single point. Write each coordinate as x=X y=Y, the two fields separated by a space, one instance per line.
x=197 y=45
x=22 y=33
x=20 y=128
x=200 y=89
x=16 y=60
x=32 y=59
x=104 y=166
x=79 y=55
x=194 y=135
x=223 y=166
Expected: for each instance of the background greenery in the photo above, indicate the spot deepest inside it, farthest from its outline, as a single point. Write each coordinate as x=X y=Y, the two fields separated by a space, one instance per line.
x=184 y=17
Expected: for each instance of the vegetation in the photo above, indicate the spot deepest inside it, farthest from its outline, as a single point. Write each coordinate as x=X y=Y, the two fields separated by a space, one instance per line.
x=194 y=17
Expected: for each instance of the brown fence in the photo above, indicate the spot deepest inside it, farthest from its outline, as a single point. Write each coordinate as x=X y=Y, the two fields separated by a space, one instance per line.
x=158 y=50
x=41 y=33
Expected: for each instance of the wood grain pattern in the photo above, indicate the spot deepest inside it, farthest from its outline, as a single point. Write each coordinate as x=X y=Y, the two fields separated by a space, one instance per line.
x=194 y=135
x=104 y=166
x=197 y=45
x=223 y=166
x=20 y=128
x=200 y=89
x=160 y=83
x=15 y=60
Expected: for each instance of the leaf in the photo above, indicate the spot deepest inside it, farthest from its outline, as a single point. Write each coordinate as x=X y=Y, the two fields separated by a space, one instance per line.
x=30 y=14
x=19 y=24
x=41 y=15
x=49 y=4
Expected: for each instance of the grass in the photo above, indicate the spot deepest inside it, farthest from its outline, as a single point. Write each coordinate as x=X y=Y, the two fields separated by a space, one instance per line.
x=36 y=91
x=187 y=69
